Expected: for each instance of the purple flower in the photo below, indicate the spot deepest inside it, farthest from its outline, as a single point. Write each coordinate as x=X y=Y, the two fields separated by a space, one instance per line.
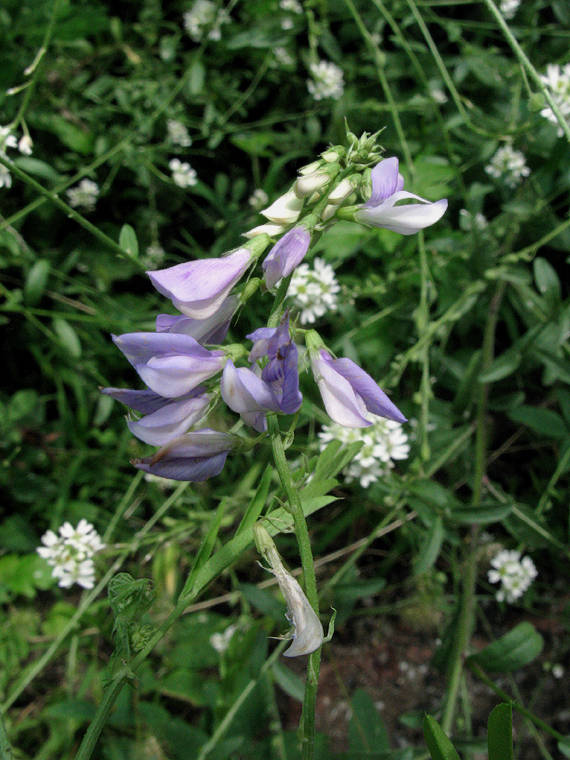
x=248 y=395
x=199 y=288
x=169 y=363
x=164 y=419
x=387 y=189
x=348 y=391
x=211 y=330
x=195 y=456
x=281 y=372
x=286 y=255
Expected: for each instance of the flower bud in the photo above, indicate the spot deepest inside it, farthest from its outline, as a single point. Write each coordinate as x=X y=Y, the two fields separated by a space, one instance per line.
x=264 y=229
x=343 y=190
x=310 y=168
x=334 y=154
x=285 y=210
x=310 y=183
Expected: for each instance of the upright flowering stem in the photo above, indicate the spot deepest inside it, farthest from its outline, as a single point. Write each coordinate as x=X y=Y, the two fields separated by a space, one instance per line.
x=469 y=577
x=306 y=554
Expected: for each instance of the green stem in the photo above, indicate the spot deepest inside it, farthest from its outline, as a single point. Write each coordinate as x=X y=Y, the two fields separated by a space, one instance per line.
x=63 y=206
x=5 y=748
x=482 y=676
x=469 y=576
x=306 y=554
x=529 y=68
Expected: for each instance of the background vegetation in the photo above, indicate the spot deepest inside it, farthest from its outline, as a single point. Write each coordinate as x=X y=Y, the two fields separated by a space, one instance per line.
x=465 y=326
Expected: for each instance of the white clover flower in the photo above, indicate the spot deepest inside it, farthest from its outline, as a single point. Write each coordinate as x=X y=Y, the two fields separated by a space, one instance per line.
x=557 y=79
x=178 y=133
x=327 y=80
x=314 y=291
x=513 y=573
x=509 y=7
x=509 y=165
x=258 y=199
x=205 y=14
x=70 y=554
x=221 y=641
x=153 y=256
x=183 y=174
x=293 y=6
x=384 y=443
x=469 y=222
x=557 y=670
x=84 y=195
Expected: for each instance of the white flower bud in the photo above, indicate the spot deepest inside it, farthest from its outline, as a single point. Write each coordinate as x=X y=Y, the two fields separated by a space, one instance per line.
x=341 y=191
x=268 y=229
x=285 y=209
x=310 y=168
x=310 y=183
x=25 y=145
x=329 y=211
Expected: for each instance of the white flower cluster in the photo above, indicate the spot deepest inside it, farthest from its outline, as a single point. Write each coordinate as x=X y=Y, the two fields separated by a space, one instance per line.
x=384 y=442
x=70 y=554
x=258 y=199
x=314 y=291
x=205 y=14
x=84 y=195
x=183 y=174
x=469 y=222
x=327 y=80
x=221 y=641
x=509 y=165
x=8 y=140
x=153 y=256
x=178 y=133
x=513 y=573
x=509 y=7
x=283 y=57
x=294 y=6
x=557 y=79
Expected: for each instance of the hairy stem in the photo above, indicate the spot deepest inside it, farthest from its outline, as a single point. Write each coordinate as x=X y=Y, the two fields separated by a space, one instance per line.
x=306 y=554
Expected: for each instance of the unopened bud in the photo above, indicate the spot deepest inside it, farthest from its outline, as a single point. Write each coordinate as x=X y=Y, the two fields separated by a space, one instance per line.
x=310 y=168
x=343 y=190
x=334 y=154
x=273 y=230
x=285 y=210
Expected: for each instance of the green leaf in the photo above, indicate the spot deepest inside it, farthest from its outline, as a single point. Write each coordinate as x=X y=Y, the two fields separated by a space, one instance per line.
x=263 y=601
x=288 y=681
x=512 y=651
x=564 y=746
x=546 y=279
x=206 y=546
x=431 y=546
x=68 y=338
x=259 y=500
x=503 y=366
x=367 y=732
x=440 y=747
x=36 y=281
x=38 y=168
x=482 y=514
x=500 y=732
x=525 y=526
x=74 y=137
x=128 y=241
x=348 y=592
x=542 y=421
x=196 y=78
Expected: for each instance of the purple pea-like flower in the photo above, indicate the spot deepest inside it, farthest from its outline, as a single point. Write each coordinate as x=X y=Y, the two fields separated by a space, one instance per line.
x=248 y=395
x=285 y=255
x=206 y=331
x=348 y=391
x=387 y=189
x=164 y=418
x=199 y=288
x=195 y=456
x=170 y=364
x=281 y=372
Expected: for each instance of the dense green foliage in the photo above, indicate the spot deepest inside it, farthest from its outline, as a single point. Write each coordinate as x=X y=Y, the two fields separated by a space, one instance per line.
x=465 y=325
